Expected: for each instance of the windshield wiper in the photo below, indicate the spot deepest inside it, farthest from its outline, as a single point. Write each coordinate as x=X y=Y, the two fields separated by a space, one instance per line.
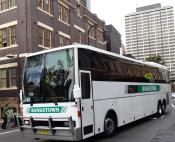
x=57 y=99
x=55 y=102
x=31 y=102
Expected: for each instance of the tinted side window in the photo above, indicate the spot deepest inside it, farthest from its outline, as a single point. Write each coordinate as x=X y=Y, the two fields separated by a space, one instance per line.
x=109 y=68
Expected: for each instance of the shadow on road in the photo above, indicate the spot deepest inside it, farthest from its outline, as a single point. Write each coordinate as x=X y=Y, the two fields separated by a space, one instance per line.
x=120 y=130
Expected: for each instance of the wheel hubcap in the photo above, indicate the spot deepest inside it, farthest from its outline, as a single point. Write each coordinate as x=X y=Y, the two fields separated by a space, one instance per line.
x=109 y=125
x=160 y=110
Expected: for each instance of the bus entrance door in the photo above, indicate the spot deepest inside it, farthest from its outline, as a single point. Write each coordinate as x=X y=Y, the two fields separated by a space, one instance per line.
x=87 y=109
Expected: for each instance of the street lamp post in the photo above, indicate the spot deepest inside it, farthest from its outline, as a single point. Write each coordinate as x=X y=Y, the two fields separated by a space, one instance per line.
x=11 y=56
x=92 y=26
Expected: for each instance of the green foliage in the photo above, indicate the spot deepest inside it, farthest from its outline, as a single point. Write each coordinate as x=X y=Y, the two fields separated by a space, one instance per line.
x=156 y=59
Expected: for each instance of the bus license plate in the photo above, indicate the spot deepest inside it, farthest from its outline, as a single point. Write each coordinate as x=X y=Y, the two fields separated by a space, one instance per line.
x=43 y=132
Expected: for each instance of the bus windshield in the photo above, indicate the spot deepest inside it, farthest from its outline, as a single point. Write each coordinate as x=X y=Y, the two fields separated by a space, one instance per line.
x=49 y=77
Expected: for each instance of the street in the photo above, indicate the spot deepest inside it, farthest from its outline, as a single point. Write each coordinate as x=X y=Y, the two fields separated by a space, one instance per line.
x=145 y=130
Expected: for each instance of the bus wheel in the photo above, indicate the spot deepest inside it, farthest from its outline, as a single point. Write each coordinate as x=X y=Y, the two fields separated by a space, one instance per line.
x=164 y=108
x=159 y=110
x=109 y=126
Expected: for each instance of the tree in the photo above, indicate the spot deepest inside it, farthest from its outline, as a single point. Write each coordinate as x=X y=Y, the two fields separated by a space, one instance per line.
x=156 y=59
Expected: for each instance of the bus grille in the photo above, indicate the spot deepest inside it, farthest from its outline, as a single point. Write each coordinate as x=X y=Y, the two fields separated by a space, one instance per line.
x=54 y=123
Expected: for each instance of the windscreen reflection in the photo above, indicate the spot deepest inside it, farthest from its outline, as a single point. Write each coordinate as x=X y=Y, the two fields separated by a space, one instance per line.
x=49 y=77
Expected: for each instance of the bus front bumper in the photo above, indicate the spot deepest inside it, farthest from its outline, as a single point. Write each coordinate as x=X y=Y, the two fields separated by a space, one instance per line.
x=69 y=133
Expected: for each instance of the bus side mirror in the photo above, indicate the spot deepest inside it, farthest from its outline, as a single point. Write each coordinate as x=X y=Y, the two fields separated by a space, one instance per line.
x=77 y=92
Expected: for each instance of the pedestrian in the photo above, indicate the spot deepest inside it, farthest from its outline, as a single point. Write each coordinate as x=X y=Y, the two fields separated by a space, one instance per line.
x=4 y=116
x=10 y=118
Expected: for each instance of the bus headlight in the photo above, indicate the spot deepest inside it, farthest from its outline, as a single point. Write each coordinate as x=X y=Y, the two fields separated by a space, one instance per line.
x=66 y=124
x=26 y=122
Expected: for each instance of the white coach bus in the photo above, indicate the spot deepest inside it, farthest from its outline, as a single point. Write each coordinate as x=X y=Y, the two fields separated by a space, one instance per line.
x=78 y=91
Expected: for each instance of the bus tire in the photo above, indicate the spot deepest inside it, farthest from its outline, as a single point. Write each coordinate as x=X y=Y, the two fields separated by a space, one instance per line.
x=110 y=125
x=159 y=110
x=164 y=108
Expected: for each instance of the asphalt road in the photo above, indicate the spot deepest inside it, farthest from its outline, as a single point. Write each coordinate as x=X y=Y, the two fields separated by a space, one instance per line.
x=145 y=130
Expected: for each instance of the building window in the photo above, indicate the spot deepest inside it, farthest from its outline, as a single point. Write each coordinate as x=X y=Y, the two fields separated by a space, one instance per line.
x=63 y=14
x=91 y=30
x=3 y=78
x=7 y=36
x=45 y=5
x=12 y=77
x=48 y=38
x=41 y=36
x=40 y=3
x=7 y=4
x=45 y=37
x=80 y=36
x=12 y=35
x=100 y=35
x=4 y=5
x=78 y=11
x=12 y=3
x=63 y=40
x=4 y=35
x=8 y=77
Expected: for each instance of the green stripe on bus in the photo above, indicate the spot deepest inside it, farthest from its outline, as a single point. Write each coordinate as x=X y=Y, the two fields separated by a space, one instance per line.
x=143 y=88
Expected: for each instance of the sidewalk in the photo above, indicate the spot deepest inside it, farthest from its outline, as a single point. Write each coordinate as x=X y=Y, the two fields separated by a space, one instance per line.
x=1 y=130
x=5 y=130
x=167 y=135
x=1 y=123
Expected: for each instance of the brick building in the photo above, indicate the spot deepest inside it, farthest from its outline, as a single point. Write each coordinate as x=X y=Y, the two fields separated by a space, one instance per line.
x=28 y=26
x=113 y=39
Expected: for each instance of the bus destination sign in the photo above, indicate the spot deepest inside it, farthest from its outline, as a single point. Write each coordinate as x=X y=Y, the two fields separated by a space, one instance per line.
x=54 y=109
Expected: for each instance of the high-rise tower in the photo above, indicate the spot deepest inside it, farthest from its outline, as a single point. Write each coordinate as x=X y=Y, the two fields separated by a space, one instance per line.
x=149 y=32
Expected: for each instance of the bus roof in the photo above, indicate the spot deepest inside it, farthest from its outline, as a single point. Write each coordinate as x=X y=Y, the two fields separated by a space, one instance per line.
x=153 y=64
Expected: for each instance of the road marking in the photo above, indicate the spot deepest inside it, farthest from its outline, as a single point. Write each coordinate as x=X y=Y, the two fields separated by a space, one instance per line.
x=9 y=132
x=172 y=105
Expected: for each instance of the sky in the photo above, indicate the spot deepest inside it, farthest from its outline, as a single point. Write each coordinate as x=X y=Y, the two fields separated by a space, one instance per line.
x=114 y=11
